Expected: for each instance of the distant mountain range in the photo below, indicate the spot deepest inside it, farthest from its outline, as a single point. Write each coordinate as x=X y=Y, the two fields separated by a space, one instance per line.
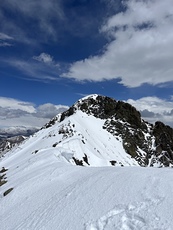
x=100 y=131
x=17 y=131
x=11 y=136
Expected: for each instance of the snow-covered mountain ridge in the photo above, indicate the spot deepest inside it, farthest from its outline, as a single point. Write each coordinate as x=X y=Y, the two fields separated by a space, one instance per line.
x=100 y=131
x=146 y=144
x=42 y=188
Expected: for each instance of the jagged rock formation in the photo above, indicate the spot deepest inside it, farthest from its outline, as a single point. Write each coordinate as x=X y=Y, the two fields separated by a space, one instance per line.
x=139 y=142
x=149 y=145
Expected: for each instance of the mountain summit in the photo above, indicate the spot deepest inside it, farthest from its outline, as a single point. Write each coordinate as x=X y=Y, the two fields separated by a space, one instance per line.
x=100 y=131
x=42 y=188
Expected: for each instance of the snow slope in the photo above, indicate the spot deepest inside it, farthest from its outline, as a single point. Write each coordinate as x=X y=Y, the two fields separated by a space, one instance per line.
x=78 y=137
x=48 y=194
x=41 y=188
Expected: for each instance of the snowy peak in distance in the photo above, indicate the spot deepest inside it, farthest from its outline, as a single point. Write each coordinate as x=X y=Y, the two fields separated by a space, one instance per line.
x=100 y=131
x=17 y=131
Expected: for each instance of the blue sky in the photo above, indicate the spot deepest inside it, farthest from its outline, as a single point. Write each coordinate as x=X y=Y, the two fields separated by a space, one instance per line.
x=54 y=52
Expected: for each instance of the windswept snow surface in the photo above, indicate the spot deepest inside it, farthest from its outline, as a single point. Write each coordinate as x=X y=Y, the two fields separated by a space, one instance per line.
x=50 y=192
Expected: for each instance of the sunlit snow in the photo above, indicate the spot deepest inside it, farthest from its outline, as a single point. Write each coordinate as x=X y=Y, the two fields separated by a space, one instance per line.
x=51 y=192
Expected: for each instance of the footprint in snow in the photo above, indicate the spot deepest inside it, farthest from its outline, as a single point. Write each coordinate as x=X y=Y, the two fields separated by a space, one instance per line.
x=132 y=217
x=119 y=219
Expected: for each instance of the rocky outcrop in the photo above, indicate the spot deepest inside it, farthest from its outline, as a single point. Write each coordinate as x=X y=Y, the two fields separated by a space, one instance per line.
x=149 y=144
x=7 y=143
x=12 y=136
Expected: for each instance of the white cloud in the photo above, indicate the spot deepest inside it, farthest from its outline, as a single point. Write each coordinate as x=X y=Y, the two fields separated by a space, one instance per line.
x=140 y=50
x=10 y=103
x=43 y=57
x=153 y=104
x=20 y=113
x=49 y=110
x=153 y=109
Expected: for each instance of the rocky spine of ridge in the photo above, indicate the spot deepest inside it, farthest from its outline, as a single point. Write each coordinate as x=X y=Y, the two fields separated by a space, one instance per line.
x=148 y=144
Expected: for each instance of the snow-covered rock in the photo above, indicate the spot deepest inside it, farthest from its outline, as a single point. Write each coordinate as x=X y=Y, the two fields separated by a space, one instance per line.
x=42 y=188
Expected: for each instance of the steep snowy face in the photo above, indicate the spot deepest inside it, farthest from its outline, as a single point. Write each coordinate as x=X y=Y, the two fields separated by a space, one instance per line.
x=147 y=144
x=79 y=140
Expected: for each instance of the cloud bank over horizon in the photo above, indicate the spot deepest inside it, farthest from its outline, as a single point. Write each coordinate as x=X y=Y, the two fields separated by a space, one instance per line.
x=154 y=109
x=14 y=112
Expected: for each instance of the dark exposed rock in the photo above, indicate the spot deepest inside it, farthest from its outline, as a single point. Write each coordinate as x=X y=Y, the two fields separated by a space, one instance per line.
x=77 y=161
x=7 y=191
x=85 y=158
x=3 y=178
x=3 y=170
x=101 y=107
x=113 y=162
x=67 y=113
x=148 y=144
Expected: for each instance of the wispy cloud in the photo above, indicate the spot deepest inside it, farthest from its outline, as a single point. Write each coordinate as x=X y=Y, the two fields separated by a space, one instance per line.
x=5 y=40
x=39 y=14
x=40 y=67
x=5 y=37
x=43 y=21
x=4 y=44
x=139 y=48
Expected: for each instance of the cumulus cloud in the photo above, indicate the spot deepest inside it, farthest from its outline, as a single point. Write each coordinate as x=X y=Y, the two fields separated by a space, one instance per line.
x=153 y=109
x=140 y=47
x=20 y=113
x=43 y=57
x=8 y=113
x=11 y=103
x=49 y=110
